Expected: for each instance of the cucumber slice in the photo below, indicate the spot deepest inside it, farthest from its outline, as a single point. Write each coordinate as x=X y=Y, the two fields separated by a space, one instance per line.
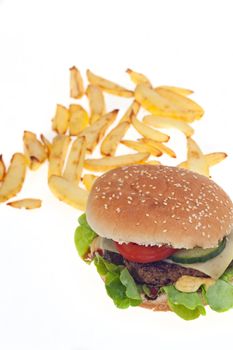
x=197 y=255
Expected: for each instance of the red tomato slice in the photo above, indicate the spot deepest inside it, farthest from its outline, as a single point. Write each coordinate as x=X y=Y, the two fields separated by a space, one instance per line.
x=139 y=253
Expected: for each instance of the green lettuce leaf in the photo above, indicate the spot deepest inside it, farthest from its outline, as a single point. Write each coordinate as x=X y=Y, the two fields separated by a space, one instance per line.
x=119 y=284
x=186 y=305
x=219 y=296
x=228 y=275
x=83 y=237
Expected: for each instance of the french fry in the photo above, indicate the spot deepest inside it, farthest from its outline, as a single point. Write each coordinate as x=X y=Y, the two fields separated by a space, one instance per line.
x=195 y=158
x=34 y=150
x=142 y=147
x=152 y=162
x=76 y=83
x=148 y=132
x=2 y=168
x=95 y=132
x=88 y=180
x=211 y=159
x=188 y=106
x=188 y=284
x=157 y=104
x=112 y=140
x=138 y=78
x=108 y=86
x=47 y=144
x=96 y=102
x=159 y=146
x=58 y=154
x=167 y=123
x=177 y=90
x=27 y=203
x=14 y=178
x=78 y=119
x=60 y=121
x=131 y=111
x=68 y=192
x=107 y=163
x=75 y=161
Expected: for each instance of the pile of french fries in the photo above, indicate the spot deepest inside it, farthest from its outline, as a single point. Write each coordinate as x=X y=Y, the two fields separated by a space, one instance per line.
x=78 y=132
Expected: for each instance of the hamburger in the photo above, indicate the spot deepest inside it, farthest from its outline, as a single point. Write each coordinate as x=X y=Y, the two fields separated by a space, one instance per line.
x=161 y=238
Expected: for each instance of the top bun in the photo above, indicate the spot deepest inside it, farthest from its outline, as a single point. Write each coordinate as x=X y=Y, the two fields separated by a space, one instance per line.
x=156 y=205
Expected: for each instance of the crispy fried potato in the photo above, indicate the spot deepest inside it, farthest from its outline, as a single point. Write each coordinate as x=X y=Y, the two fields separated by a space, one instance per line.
x=75 y=161
x=107 y=163
x=68 y=192
x=108 y=86
x=88 y=180
x=58 y=154
x=138 y=78
x=2 y=168
x=96 y=102
x=195 y=158
x=112 y=140
x=211 y=159
x=27 y=203
x=34 y=150
x=142 y=147
x=167 y=123
x=76 y=83
x=131 y=111
x=14 y=178
x=148 y=132
x=188 y=284
x=157 y=104
x=60 y=121
x=177 y=90
x=159 y=146
x=78 y=119
x=152 y=162
x=47 y=144
x=95 y=132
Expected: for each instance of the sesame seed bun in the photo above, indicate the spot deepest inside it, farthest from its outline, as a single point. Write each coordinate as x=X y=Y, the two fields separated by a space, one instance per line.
x=156 y=205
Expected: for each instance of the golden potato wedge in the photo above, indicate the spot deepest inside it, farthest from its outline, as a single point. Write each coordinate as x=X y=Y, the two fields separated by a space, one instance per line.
x=79 y=119
x=76 y=83
x=142 y=147
x=68 y=192
x=75 y=161
x=188 y=284
x=177 y=90
x=26 y=203
x=14 y=178
x=211 y=159
x=34 y=150
x=157 y=104
x=107 y=163
x=168 y=123
x=159 y=146
x=58 y=154
x=60 y=121
x=47 y=144
x=96 y=102
x=148 y=132
x=152 y=162
x=2 y=168
x=88 y=180
x=108 y=86
x=112 y=140
x=131 y=111
x=138 y=78
x=95 y=132
x=195 y=158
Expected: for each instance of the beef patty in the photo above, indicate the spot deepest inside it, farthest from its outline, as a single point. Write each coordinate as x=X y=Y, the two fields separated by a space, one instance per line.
x=158 y=274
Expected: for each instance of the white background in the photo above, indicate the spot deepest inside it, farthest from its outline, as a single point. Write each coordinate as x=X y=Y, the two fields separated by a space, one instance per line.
x=49 y=299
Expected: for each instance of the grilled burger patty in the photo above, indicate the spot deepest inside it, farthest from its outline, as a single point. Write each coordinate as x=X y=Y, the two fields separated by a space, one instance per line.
x=158 y=274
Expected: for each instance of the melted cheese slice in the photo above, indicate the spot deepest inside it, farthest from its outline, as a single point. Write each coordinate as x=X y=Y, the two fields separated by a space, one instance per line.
x=216 y=266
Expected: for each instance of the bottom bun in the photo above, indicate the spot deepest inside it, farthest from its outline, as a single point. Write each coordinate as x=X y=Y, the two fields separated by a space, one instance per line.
x=159 y=304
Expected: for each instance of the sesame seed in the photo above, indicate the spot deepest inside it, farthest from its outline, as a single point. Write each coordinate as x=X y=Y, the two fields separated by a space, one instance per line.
x=118 y=210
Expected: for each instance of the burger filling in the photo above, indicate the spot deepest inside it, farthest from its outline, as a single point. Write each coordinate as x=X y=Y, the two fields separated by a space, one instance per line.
x=133 y=273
